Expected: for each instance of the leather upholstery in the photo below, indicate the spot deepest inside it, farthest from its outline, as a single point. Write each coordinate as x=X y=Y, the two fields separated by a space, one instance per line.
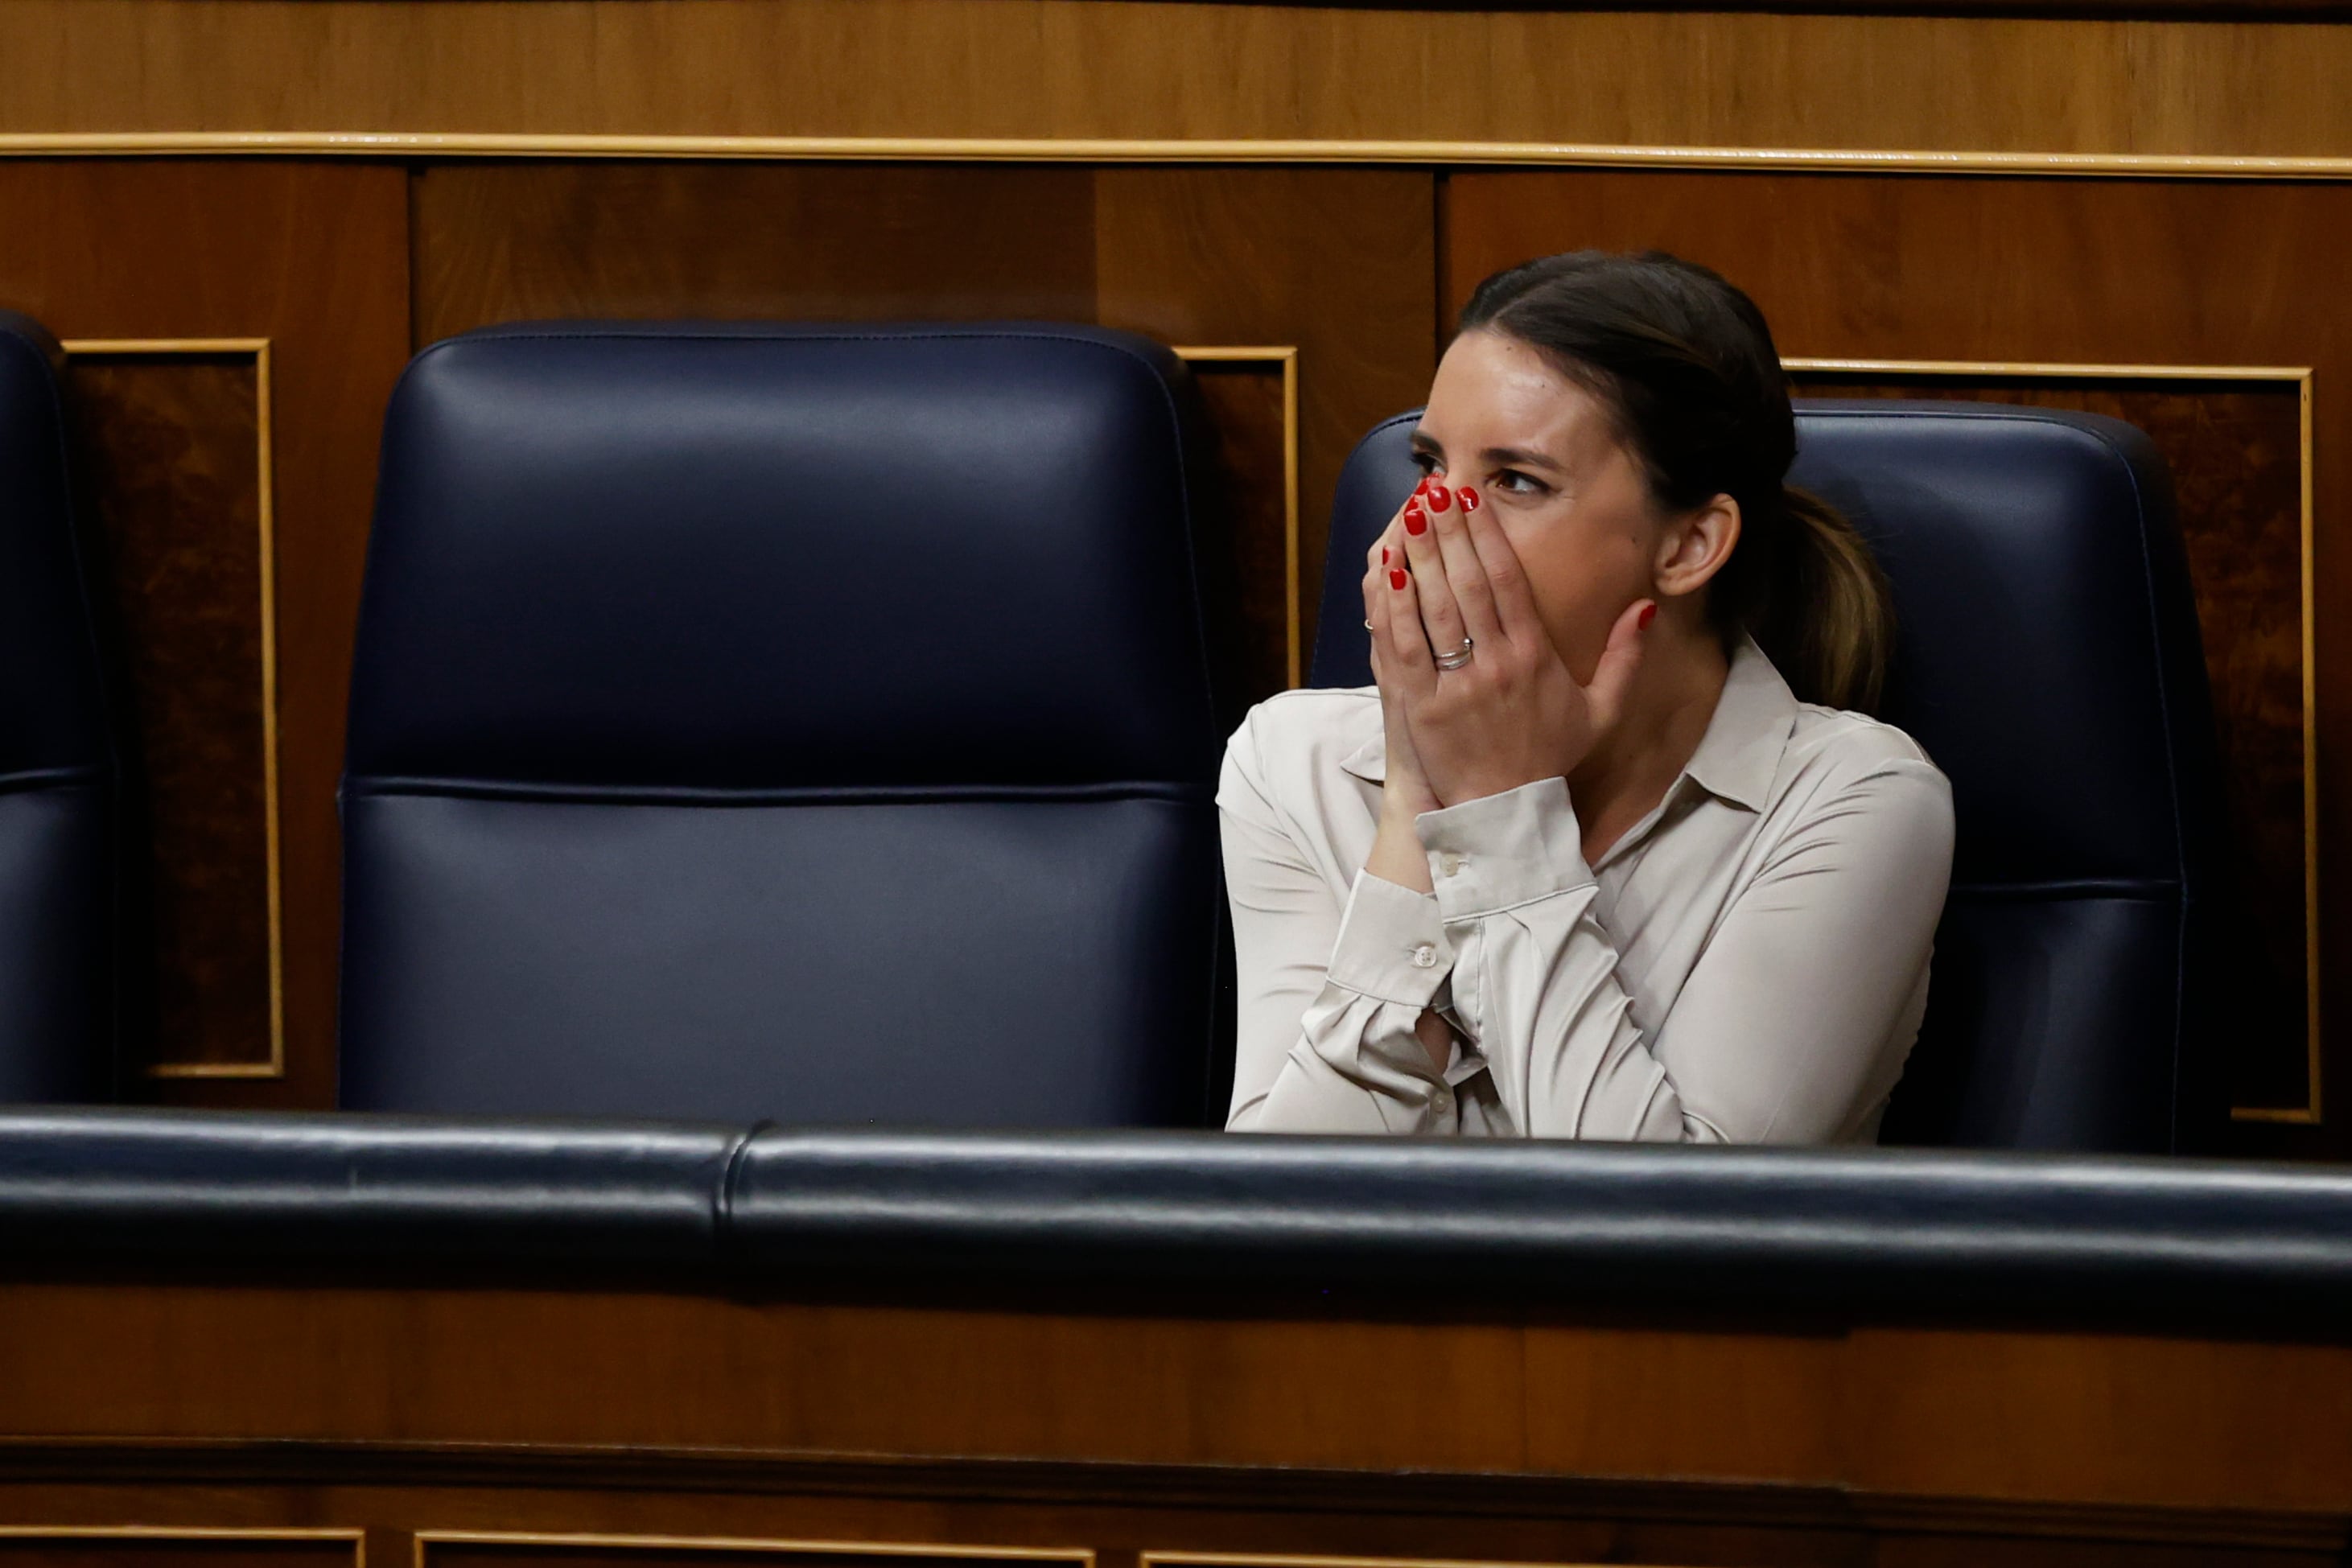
x=1722 y=1234
x=799 y=722
x=58 y=783
x=2049 y=661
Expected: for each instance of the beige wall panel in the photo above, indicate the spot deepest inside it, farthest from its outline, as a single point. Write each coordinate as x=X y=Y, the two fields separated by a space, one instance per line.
x=1094 y=68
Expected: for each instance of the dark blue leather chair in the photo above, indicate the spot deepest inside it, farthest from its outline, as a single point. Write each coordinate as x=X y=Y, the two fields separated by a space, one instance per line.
x=795 y=722
x=2049 y=660
x=60 y=894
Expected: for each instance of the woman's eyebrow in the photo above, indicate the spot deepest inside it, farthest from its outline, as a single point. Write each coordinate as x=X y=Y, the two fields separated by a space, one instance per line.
x=1521 y=457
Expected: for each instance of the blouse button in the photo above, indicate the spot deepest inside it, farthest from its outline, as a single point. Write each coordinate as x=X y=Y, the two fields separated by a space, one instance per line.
x=1450 y=865
x=1424 y=956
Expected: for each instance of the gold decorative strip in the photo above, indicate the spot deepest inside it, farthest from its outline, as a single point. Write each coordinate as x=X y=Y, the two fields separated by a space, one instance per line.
x=2309 y=1112
x=1272 y=1560
x=168 y=1532
x=1165 y=150
x=1286 y=356
x=1083 y=1557
x=259 y=348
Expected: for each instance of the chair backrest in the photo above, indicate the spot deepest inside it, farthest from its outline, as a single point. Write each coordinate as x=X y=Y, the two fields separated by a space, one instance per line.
x=58 y=785
x=2049 y=660
x=812 y=722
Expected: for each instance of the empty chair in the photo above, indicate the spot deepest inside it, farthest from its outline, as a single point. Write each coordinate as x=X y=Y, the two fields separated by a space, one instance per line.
x=802 y=723
x=58 y=785
x=2048 y=658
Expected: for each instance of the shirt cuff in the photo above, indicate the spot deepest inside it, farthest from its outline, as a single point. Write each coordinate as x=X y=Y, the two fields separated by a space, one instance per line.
x=1502 y=850
x=1391 y=944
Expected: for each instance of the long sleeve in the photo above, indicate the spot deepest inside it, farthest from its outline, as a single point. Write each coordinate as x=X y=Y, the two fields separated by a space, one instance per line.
x=1329 y=991
x=1783 y=1030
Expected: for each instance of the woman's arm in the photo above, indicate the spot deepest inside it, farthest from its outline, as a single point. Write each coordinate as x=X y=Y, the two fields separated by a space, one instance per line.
x=1786 y=1022
x=1329 y=996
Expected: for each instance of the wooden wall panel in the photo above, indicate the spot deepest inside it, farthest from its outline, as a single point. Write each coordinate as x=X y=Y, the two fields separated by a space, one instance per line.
x=505 y=242
x=488 y=1381
x=1122 y=69
x=313 y=257
x=174 y=461
x=1339 y=262
x=2116 y=273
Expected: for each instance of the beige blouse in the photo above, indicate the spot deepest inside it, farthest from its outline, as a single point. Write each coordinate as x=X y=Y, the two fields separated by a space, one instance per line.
x=1747 y=964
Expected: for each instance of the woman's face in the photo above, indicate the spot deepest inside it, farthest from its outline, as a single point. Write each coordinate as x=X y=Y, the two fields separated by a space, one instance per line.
x=1544 y=455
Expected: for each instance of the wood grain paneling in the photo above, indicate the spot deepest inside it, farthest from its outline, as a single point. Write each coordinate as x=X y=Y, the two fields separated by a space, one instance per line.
x=1134 y=69
x=487 y=1377
x=312 y=256
x=1252 y=428
x=814 y=242
x=172 y=458
x=1339 y=262
x=2023 y=271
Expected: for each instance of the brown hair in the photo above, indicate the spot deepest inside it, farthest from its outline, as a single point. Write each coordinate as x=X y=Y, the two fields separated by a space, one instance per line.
x=1686 y=364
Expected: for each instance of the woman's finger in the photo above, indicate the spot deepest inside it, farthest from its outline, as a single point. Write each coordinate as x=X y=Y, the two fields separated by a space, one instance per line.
x=1466 y=574
x=1439 y=613
x=1604 y=695
x=1404 y=646
x=1507 y=579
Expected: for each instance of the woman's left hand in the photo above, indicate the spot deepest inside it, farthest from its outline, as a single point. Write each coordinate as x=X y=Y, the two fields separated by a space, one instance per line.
x=1514 y=713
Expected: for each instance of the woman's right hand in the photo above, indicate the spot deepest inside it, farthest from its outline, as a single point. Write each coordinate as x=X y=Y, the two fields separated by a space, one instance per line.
x=1407 y=793
x=1397 y=855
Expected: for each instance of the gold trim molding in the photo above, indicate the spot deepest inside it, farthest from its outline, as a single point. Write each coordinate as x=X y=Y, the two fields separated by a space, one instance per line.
x=1082 y=1557
x=2300 y=377
x=259 y=349
x=1286 y=356
x=192 y=1532
x=1270 y=1560
x=1173 y=150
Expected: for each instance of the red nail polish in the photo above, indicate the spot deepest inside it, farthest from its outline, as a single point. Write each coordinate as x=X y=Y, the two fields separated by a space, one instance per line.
x=1421 y=488
x=1439 y=498
x=1649 y=613
x=1396 y=577
x=1416 y=521
x=1470 y=502
x=1384 y=555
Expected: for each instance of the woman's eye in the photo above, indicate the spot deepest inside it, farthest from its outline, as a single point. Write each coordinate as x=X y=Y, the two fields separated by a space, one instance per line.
x=1512 y=479
x=1424 y=461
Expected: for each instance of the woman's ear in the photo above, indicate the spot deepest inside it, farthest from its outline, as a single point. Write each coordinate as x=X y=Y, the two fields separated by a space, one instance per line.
x=1695 y=544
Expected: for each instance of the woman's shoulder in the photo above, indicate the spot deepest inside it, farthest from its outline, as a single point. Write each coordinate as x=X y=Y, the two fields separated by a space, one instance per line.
x=1305 y=740
x=1838 y=747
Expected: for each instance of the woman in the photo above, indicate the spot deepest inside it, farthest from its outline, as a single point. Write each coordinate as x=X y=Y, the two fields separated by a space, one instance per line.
x=1602 y=855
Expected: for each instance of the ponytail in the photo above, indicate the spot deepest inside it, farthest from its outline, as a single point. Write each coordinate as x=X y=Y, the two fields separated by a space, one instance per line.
x=1827 y=619
x=1686 y=365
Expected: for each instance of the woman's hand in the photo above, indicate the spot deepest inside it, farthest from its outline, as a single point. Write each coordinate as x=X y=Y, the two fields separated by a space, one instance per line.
x=1407 y=793
x=1513 y=713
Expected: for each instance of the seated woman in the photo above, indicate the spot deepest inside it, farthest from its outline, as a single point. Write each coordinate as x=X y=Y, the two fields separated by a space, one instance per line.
x=1604 y=853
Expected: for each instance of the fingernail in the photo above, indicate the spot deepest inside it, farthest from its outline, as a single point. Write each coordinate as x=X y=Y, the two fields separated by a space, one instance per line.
x=1421 y=488
x=1384 y=555
x=1649 y=613
x=1439 y=498
x=1416 y=521
x=1396 y=577
x=1470 y=502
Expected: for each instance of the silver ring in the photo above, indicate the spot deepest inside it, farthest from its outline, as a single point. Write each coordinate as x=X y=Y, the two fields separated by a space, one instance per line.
x=1457 y=659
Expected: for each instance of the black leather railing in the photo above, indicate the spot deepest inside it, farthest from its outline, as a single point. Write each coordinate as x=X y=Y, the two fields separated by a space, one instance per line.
x=1503 y=1226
